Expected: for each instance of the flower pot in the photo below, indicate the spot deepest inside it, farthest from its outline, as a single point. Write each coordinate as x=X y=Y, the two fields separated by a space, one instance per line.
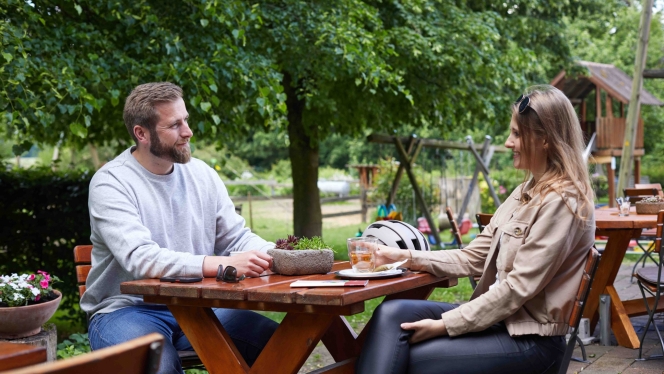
x=21 y=321
x=301 y=262
x=648 y=208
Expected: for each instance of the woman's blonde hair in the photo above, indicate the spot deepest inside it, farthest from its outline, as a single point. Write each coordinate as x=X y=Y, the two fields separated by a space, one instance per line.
x=550 y=116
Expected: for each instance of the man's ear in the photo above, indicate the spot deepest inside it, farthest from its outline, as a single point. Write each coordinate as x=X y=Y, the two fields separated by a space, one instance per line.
x=142 y=134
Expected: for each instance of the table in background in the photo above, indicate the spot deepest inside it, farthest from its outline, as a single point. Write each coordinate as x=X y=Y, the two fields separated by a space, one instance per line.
x=620 y=231
x=17 y=355
x=312 y=315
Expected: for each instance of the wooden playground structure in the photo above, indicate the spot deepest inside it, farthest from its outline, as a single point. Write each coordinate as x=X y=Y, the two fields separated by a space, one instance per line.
x=605 y=128
x=409 y=153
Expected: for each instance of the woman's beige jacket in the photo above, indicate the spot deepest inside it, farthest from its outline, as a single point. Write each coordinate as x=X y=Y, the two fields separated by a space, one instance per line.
x=539 y=265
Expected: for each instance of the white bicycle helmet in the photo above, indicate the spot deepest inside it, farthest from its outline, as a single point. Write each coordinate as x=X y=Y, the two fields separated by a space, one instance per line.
x=397 y=234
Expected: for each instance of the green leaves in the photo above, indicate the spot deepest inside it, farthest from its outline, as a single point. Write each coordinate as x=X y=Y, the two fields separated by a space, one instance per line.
x=78 y=130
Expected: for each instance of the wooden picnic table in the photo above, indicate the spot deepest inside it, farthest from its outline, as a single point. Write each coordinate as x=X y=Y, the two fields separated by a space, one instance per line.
x=18 y=355
x=312 y=315
x=620 y=231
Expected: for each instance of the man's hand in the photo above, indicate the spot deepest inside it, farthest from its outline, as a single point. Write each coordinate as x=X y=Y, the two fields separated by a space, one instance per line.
x=250 y=264
x=387 y=255
x=425 y=329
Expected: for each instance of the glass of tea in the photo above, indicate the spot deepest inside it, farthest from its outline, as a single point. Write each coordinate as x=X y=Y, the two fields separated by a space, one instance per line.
x=361 y=254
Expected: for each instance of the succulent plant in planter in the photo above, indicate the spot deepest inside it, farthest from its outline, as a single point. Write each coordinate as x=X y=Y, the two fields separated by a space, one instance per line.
x=650 y=205
x=300 y=256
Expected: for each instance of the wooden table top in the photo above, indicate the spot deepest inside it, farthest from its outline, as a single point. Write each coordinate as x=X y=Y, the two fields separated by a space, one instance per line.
x=16 y=355
x=607 y=218
x=275 y=289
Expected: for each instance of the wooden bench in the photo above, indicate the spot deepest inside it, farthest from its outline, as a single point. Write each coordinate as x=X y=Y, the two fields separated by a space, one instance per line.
x=83 y=261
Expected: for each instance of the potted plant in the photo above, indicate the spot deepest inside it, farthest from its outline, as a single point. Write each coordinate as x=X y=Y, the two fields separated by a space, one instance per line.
x=650 y=205
x=27 y=301
x=300 y=256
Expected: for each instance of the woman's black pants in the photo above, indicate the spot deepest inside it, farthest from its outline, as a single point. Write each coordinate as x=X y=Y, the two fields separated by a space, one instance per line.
x=493 y=350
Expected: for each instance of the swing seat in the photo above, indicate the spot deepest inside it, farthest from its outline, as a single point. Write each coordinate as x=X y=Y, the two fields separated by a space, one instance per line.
x=423 y=226
x=466 y=225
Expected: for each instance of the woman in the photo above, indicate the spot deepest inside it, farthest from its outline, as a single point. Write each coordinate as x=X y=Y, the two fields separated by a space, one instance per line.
x=531 y=258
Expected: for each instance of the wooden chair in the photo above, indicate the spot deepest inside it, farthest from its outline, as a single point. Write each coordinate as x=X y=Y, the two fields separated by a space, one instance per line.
x=656 y=186
x=137 y=356
x=457 y=238
x=83 y=261
x=483 y=219
x=577 y=311
x=649 y=280
x=638 y=194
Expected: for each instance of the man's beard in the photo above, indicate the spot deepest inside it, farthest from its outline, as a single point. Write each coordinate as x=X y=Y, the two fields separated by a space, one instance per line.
x=170 y=153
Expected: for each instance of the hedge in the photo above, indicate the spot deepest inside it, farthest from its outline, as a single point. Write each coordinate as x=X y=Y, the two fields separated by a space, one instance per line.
x=43 y=215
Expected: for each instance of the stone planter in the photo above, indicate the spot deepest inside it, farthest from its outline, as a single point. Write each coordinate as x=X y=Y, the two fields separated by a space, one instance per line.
x=301 y=262
x=648 y=208
x=21 y=321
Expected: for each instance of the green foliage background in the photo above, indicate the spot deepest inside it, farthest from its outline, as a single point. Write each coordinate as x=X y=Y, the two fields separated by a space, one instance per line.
x=43 y=215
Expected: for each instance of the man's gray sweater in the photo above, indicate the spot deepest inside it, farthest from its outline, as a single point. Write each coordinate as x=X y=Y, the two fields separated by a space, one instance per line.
x=150 y=226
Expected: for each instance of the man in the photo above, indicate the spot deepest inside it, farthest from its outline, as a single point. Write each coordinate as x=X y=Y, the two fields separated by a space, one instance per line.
x=156 y=212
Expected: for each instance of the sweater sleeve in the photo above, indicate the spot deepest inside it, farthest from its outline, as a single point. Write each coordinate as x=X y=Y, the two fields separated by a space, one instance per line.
x=115 y=217
x=232 y=235
x=536 y=262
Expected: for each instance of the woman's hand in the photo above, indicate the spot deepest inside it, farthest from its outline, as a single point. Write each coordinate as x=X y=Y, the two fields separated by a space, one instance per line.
x=425 y=329
x=387 y=255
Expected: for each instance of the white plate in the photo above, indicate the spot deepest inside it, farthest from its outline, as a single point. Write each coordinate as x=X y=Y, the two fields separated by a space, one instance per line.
x=351 y=274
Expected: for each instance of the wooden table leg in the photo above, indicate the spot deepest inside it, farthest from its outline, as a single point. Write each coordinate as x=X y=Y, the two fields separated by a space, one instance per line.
x=637 y=307
x=609 y=264
x=292 y=343
x=620 y=323
x=209 y=339
x=341 y=340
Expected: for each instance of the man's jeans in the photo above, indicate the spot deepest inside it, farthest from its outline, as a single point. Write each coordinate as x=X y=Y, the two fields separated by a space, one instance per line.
x=250 y=331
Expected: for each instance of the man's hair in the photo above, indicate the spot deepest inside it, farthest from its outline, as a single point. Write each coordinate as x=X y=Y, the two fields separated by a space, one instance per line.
x=139 y=106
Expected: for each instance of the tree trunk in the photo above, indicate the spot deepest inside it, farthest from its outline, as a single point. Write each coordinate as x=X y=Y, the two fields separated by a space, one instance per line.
x=304 y=153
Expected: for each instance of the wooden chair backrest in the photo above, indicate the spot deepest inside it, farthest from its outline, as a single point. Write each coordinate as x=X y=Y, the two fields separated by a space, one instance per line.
x=638 y=194
x=137 y=356
x=455 y=228
x=582 y=294
x=483 y=219
x=83 y=261
x=659 y=232
x=656 y=186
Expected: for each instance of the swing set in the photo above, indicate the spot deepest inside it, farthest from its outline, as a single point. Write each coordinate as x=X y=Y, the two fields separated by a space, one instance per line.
x=409 y=153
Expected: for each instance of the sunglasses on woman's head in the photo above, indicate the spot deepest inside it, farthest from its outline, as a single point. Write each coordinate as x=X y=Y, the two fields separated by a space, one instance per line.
x=524 y=103
x=228 y=274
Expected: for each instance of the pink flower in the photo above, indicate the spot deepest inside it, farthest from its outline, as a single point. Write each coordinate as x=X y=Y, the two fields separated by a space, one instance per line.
x=31 y=277
x=41 y=272
x=37 y=298
x=43 y=283
x=502 y=190
x=45 y=274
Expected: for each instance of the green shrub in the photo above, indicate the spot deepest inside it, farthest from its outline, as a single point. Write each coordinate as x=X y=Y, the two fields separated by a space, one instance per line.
x=75 y=345
x=43 y=215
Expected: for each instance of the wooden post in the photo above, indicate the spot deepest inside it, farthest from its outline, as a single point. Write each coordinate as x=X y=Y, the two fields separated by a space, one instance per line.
x=397 y=177
x=251 y=217
x=611 y=176
x=584 y=125
x=598 y=104
x=637 y=169
x=363 y=201
x=413 y=181
x=609 y=106
x=635 y=101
